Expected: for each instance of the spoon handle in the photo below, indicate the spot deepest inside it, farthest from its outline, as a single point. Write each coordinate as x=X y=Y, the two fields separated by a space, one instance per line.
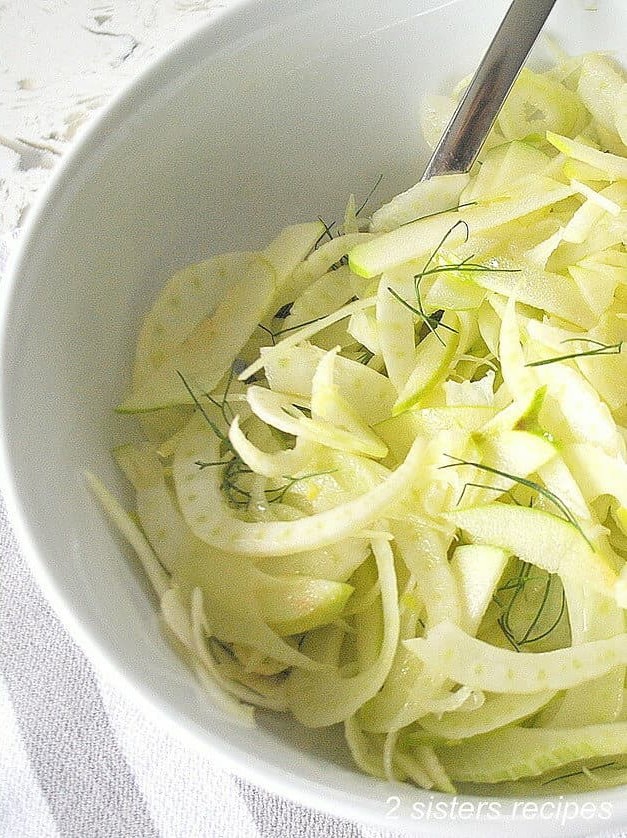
x=463 y=137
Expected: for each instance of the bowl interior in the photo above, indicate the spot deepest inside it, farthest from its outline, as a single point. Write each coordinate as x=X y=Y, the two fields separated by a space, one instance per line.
x=273 y=114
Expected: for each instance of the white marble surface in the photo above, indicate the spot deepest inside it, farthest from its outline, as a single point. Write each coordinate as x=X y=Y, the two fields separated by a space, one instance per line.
x=60 y=61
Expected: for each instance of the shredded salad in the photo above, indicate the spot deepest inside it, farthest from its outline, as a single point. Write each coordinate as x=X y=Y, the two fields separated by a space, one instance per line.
x=383 y=480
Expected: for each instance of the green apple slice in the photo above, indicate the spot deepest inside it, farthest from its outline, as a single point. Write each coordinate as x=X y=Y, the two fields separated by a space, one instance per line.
x=535 y=536
x=423 y=236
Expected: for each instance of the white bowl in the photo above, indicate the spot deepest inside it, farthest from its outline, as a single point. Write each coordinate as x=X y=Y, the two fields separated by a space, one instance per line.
x=270 y=115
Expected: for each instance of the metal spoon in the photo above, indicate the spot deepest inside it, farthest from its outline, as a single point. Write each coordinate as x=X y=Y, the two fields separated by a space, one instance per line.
x=469 y=126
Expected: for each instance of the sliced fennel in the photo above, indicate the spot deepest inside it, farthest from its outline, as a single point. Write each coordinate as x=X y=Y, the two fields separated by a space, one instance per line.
x=135 y=537
x=208 y=351
x=498 y=710
x=323 y=700
x=212 y=521
x=369 y=392
x=601 y=83
x=522 y=752
x=612 y=164
x=384 y=474
x=449 y=652
x=432 y=359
